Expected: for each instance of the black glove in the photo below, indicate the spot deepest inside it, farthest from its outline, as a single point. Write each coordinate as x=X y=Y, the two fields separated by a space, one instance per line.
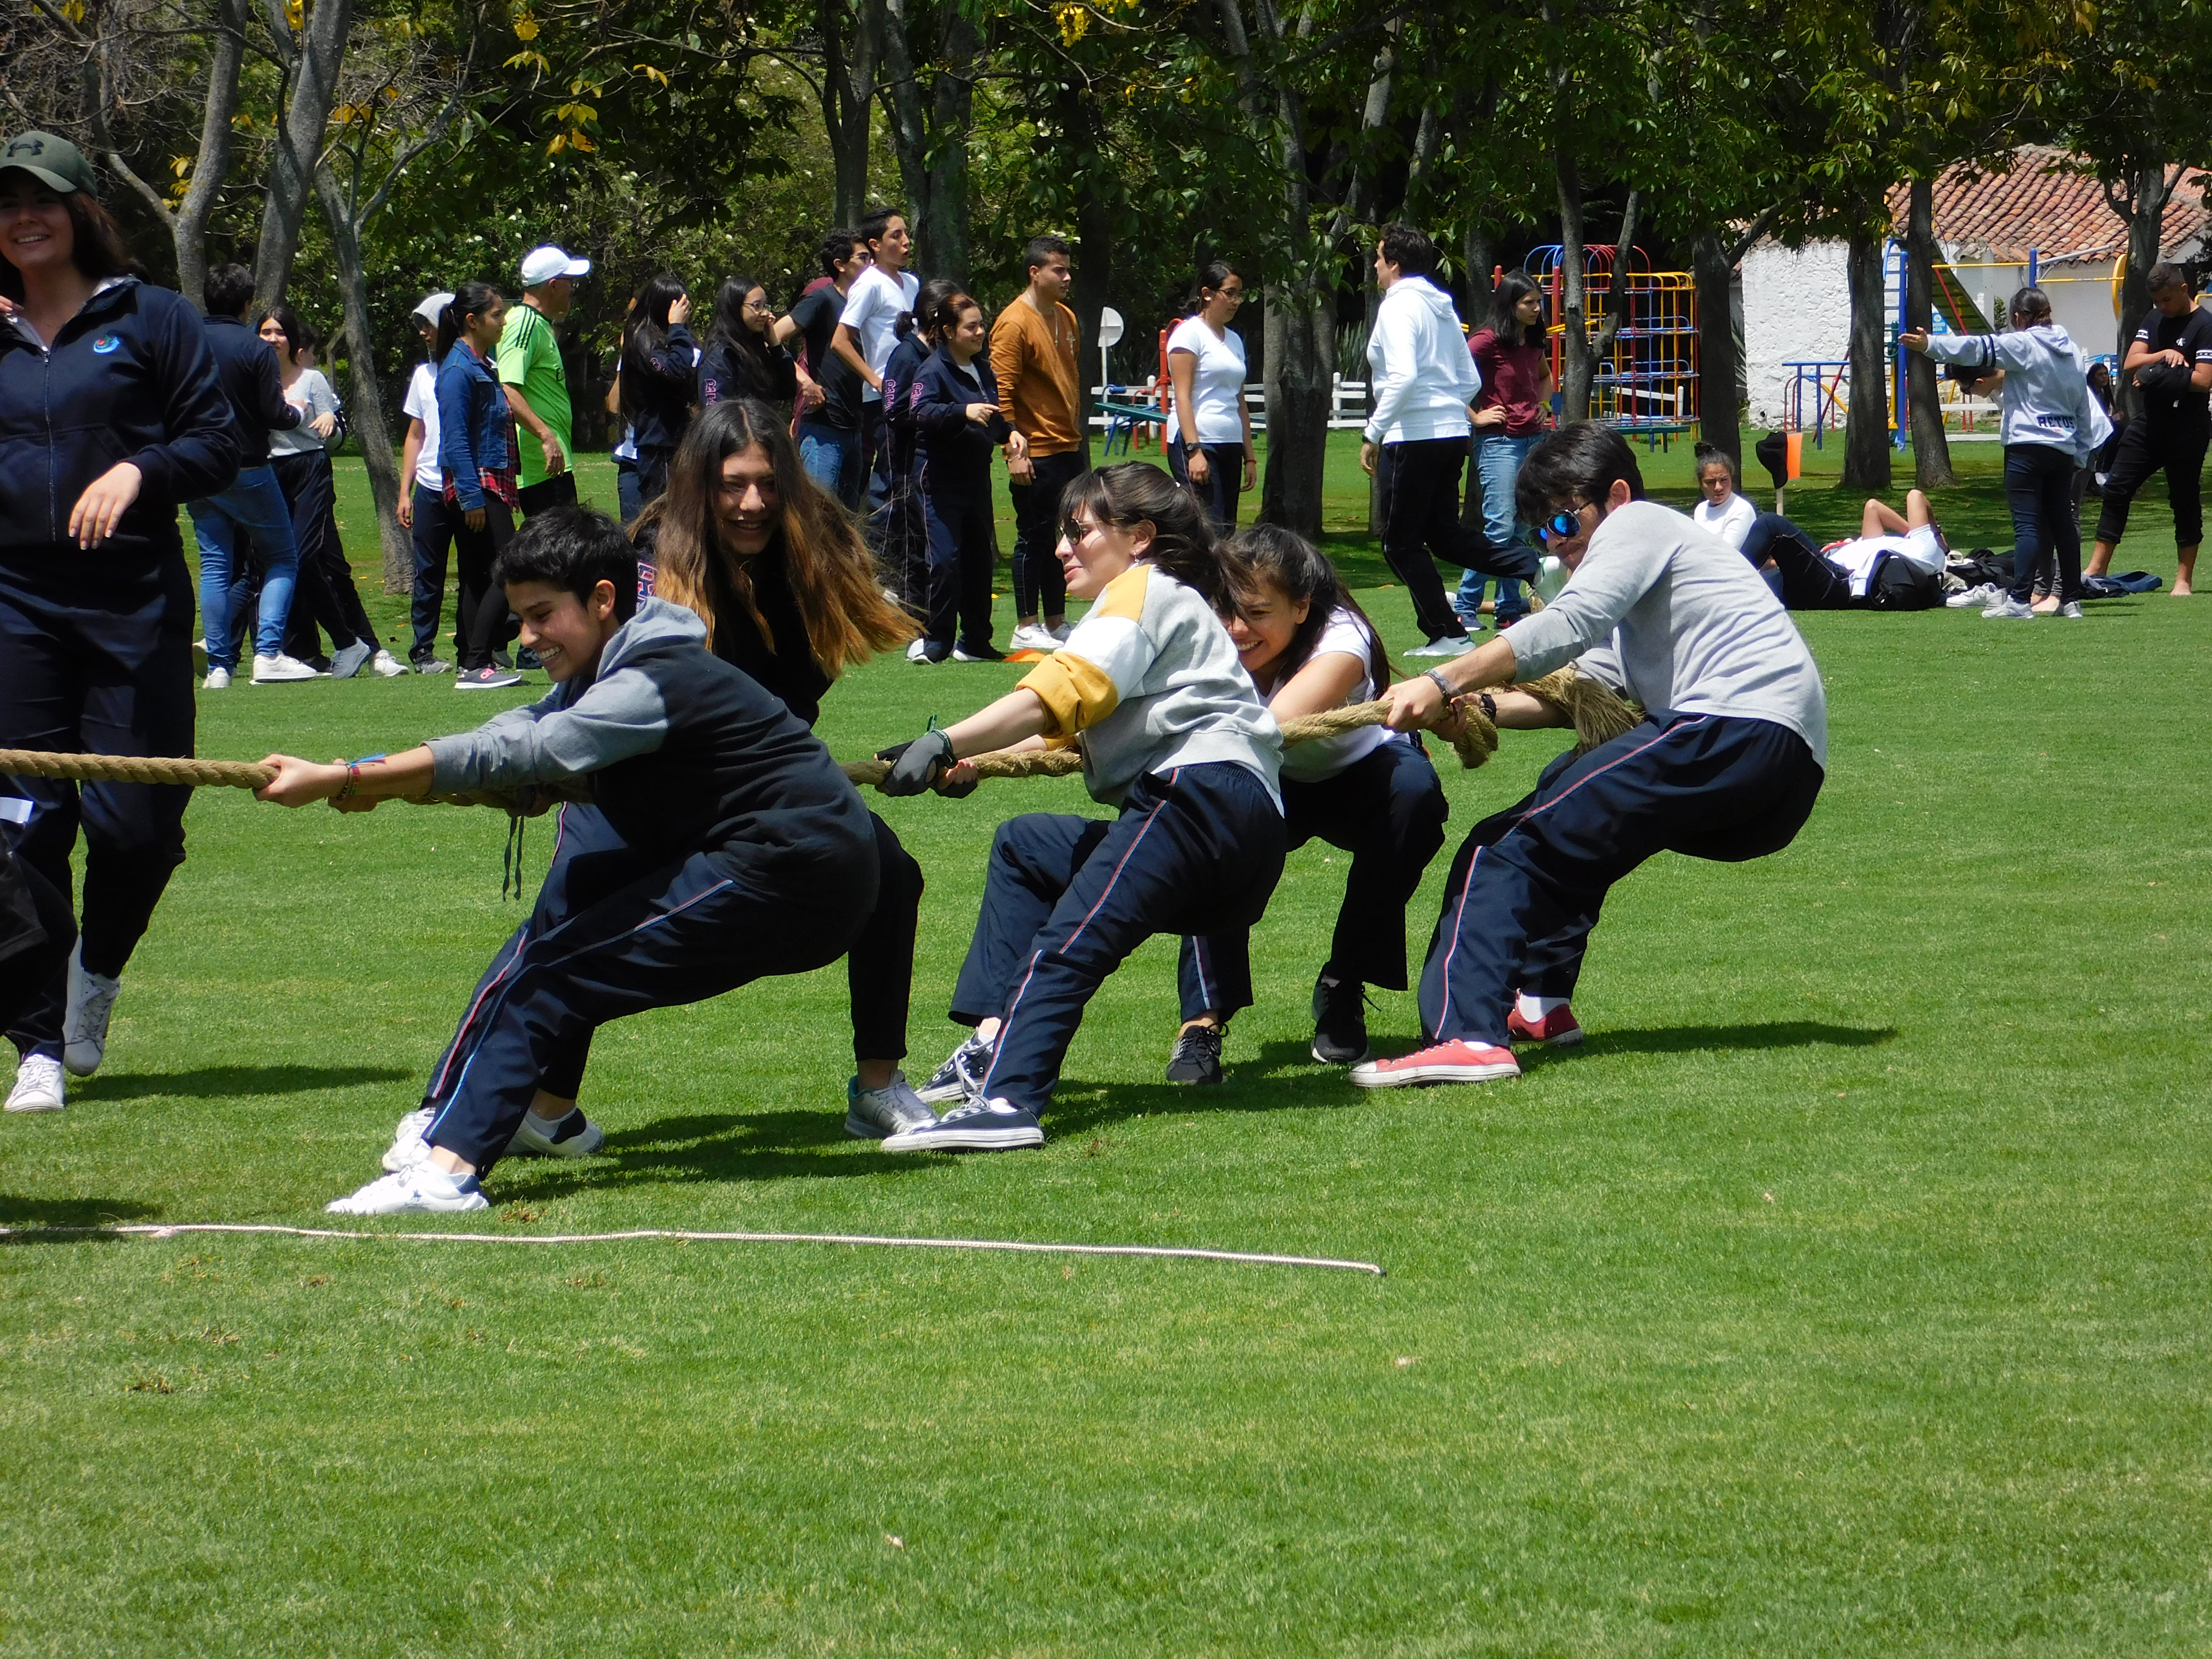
x=916 y=766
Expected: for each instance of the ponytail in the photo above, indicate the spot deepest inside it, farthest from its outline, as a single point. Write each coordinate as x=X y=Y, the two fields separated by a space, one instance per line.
x=470 y=300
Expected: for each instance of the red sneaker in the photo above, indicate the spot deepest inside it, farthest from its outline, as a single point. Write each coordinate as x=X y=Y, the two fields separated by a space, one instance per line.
x=1442 y=1062
x=1557 y=1029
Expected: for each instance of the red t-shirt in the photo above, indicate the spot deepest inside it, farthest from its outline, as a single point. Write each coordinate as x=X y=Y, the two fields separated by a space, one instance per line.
x=1513 y=379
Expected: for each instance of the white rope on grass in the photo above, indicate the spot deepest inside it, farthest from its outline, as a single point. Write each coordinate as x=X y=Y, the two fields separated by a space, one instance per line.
x=1168 y=1252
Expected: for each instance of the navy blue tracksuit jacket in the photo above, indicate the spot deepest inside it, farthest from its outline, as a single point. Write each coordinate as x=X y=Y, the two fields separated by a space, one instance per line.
x=246 y=365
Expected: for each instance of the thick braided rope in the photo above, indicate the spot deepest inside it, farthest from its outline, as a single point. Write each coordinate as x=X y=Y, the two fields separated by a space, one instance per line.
x=134 y=769
x=1598 y=714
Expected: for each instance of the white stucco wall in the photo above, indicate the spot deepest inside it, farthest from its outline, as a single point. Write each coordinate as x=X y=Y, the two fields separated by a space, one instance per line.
x=1796 y=306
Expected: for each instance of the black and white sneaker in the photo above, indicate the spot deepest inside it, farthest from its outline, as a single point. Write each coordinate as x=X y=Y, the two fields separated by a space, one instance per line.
x=982 y=1126
x=960 y=1077
x=1340 y=1012
x=575 y=1136
x=1197 y=1056
x=985 y=652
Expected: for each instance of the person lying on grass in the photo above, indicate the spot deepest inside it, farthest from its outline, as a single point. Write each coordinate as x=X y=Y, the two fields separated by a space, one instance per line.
x=745 y=851
x=1726 y=764
x=1893 y=563
x=1175 y=736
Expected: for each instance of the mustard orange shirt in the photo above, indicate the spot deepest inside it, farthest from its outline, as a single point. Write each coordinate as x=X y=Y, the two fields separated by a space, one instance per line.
x=1033 y=356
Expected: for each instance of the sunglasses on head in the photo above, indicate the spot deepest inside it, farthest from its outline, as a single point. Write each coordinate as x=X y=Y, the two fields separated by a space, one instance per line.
x=1561 y=526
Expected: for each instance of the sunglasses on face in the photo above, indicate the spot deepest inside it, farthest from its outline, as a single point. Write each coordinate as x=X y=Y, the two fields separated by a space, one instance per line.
x=1561 y=526
x=1072 y=531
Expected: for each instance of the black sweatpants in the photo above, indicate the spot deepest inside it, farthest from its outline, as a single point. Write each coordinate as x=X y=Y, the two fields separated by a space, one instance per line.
x=1040 y=584
x=483 y=608
x=325 y=597
x=97 y=657
x=678 y=933
x=36 y=933
x=1419 y=487
x=1196 y=850
x=1809 y=583
x=435 y=520
x=962 y=549
x=1527 y=885
x=1387 y=809
x=2175 y=448
x=1225 y=479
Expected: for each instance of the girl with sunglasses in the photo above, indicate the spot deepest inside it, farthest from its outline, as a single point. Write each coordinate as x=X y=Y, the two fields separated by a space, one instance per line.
x=1174 y=737
x=1726 y=764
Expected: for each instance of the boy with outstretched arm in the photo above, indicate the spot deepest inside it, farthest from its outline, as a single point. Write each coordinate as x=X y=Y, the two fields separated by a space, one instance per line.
x=746 y=850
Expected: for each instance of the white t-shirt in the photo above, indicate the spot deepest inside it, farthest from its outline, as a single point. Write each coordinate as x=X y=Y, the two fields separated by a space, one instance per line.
x=1857 y=557
x=422 y=404
x=1324 y=758
x=1216 y=391
x=872 y=305
x=1730 y=520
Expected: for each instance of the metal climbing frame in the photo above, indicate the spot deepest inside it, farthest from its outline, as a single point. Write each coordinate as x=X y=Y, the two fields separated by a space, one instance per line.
x=1647 y=385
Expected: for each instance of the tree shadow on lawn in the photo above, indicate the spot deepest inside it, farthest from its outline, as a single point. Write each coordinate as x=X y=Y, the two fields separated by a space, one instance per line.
x=735 y=1147
x=213 y=1082
x=16 y=1211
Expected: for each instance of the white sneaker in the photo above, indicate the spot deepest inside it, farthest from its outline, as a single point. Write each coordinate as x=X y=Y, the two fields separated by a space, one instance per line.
x=2070 y=611
x=915 y=648
x=1980 y=597
x=388 y=665
x=84 y=1020
x=2009 y=609
x=1033 y=636
x=1454 y=645
x=412 y=1192
x=348 y=662
x=271 y=671
x=218 y=679
x=408 y=1147
x=575 y=1136
x=871 y=1114
x=40 y=1086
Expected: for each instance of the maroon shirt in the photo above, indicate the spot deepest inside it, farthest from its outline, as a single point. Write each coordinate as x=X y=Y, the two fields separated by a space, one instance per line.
x=1512 y=379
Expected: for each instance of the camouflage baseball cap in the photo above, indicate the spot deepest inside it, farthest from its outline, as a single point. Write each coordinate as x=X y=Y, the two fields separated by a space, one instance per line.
x=53 y=161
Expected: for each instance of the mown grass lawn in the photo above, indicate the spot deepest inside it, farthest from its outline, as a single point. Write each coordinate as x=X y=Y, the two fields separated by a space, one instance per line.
x=1845 y=1294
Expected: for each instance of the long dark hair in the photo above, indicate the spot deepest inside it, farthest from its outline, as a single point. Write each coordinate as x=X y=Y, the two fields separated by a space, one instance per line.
x=298 y=337
x=470 y=300
x=1301 y=571
x=2030 y=307
x=731 y=331
x=934 y=293
x=97 y=248
x=646 y=332
x=1212 y=275
x=1513 y=287
x=831 y=573
x=1130 y=493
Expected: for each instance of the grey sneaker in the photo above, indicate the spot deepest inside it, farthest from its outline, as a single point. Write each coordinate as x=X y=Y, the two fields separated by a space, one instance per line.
x=2009 y=609
x=1452 y=645
x=960 y=1077
x=90 y=1003
x=871 y=1114
x=433 y=665
x=1977 y=597
x=2070 y=611
x=350 y=658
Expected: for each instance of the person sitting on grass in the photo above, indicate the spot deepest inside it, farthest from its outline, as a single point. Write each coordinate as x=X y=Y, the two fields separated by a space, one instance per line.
x=1173 y=736
x=1723 y=507
x=1893 y=563
x=747 y=851
x=1726 y=764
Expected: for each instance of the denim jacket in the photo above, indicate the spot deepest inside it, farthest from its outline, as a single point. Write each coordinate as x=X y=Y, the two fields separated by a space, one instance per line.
x=474 y=424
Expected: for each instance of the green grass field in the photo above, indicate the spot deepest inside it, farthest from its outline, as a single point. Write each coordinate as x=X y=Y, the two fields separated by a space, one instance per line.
x=1845 y=1295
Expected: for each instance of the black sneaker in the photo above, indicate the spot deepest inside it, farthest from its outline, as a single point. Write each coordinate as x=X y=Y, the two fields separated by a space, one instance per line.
x=1197 y=1056
x=986 y=652
x=983 y=1126
x=960 y=1077
x=1340 y=1012
x=525 y=658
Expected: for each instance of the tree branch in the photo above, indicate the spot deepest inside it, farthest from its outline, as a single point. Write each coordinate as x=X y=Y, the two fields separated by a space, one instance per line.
x=1752 y=232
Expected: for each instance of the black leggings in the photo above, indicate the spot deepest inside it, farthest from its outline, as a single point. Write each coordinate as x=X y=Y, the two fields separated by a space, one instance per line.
x=325 y=597
x=2178 y=451
x=483 y=612
x=2039 y=488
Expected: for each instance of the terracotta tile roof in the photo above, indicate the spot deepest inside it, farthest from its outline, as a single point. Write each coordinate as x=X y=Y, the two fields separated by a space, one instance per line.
x=2061 y=215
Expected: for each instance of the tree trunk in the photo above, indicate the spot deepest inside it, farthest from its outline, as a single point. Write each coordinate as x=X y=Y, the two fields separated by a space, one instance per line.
x=311 y=88
x=1717 y=411
x=1866 y=431
x=954 y=96
x=1300 y=335
x=848 y=91
x=1579 y=367
x=2149 y=188
x=1931 y=450
x=1616 y=308
x=211 y=166
x=909 y=126
x=365 y=406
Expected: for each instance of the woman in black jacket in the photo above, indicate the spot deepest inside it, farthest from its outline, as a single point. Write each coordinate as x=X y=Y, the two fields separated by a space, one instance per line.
x=660 y=363
x=741 y=358
x=111 y=418
x=956 y=409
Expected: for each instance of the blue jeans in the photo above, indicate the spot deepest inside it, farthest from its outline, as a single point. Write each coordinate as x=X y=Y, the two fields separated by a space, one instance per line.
x=255 y=505
x=829 y=454
x=2039 y=489
x=1497 y=463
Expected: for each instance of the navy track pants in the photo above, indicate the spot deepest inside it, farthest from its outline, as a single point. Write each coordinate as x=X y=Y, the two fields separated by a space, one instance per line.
x=597 y=947
x=1195 y=850
x=1387 y=809
x=1526 y=888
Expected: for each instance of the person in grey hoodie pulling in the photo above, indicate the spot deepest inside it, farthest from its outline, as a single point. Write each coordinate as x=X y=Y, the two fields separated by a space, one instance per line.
x=1416 y=442
x=2051 y=425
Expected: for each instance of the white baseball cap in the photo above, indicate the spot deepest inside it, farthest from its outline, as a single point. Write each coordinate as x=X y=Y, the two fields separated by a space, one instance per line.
x=542 y=264
x=434 y=306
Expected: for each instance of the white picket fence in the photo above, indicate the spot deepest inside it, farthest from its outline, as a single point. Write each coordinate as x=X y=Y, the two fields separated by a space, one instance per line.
x=1347 y=402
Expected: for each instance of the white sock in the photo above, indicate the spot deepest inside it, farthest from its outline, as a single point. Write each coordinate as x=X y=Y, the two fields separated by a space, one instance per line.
x=1533 y=1009
x=548 y=1122
x=450 y=1177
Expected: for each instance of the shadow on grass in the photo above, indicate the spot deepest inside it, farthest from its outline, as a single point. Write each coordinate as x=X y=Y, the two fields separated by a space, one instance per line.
x=1775 y=1034
x=213 y=1082
x=1283 y=1077
x=756 y=1146
x=16 y=1211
